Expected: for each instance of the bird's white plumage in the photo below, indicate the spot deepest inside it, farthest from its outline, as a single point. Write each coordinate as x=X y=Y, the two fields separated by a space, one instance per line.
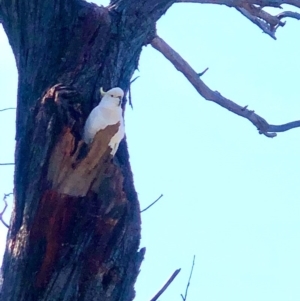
x=108 y=112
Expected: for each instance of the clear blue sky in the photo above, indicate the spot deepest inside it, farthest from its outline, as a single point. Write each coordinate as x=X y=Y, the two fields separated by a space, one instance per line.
x=231 y=196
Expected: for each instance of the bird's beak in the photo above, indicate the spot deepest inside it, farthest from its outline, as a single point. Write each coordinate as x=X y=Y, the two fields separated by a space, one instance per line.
x=120 y=100
x=102 y=92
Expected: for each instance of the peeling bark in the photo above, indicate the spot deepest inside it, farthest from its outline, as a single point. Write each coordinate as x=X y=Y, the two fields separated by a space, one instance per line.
x=80 y=228
x=75 y=228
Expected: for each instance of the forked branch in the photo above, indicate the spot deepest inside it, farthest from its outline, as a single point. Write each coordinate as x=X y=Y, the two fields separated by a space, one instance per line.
x=181 y=65
x=253 y=11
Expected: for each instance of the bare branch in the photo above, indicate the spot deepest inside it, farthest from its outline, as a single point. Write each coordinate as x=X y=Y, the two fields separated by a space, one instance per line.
x=288 y=14
x=3 y=211
x=166 y=285
x=152 y=203
x=235 y=3
x=181 y=65
x=3 y=164
x=188 y=284
x=260 y=23
x=284 y=127
x=253 y=10
x=1 y=110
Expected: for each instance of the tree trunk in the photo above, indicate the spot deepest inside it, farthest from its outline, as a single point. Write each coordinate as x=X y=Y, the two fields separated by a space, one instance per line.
x=75 y=228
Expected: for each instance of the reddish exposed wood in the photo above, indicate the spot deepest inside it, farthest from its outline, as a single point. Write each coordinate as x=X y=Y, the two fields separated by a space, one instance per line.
x=75 y=229
x=70 y=179
x=84 y=212
x=51 y=225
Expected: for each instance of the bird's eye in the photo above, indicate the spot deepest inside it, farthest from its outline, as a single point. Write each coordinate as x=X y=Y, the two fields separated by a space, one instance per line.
x=111 y=95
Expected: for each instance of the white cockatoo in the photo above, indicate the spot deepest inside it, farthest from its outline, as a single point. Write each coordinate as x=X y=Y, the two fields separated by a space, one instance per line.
x=108 y=112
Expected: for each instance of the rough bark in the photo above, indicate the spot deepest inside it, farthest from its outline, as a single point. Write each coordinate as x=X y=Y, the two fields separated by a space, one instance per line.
x=75 y=229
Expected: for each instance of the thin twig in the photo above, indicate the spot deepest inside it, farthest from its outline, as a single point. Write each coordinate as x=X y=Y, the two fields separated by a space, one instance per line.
x=5 y=206
x=181 y=65
x=152 y=203
x=129 y=96
x=131 y=82
x=166 y=285
x=7 y=163
x=188 y=284
x=1 y=110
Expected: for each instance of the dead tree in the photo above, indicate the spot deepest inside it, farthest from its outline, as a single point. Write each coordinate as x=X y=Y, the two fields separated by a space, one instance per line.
x=75 y=227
